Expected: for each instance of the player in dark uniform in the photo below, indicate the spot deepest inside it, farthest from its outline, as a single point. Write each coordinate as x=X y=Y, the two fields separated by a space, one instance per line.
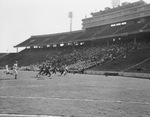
x=42 y=69
x=47 y=70
x=54 y=69
x=61 y=70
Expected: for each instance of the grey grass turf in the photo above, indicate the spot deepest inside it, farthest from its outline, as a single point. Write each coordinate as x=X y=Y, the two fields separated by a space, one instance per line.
x=74 y=95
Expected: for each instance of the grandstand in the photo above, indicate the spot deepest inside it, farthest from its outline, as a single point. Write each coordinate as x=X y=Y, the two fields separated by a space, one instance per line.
x=116 y=39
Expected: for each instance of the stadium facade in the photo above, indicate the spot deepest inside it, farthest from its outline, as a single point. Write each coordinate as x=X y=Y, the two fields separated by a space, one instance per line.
x=125 y=13
x=125 y=20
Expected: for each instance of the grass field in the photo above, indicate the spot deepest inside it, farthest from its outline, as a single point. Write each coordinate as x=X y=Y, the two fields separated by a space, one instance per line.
x=73 y=95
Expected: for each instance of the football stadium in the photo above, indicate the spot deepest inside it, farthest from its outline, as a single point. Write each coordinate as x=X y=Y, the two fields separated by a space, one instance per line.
x=102 y=70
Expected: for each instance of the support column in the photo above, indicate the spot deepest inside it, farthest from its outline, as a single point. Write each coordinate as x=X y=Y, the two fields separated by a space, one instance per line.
x=17 y=49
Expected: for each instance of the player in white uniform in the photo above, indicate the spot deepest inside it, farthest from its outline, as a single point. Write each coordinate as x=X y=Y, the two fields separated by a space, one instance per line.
x=15 y=67
x=7 y=70
x=65 y=70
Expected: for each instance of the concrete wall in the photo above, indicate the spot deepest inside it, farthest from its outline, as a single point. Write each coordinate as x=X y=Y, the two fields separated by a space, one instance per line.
x=126 y=74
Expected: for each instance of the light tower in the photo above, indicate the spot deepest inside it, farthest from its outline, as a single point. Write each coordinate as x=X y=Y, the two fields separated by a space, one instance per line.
x=115 y=3
x=70 y=15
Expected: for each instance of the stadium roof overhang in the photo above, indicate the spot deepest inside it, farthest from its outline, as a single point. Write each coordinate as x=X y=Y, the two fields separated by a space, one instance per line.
x=51 y=39
x=61 y=38
x=27 y=42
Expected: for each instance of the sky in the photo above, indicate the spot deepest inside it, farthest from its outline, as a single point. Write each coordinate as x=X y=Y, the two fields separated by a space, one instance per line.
x=20 y=19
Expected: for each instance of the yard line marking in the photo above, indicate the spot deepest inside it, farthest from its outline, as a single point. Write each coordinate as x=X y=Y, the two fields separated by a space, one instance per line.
x=77 y=99
x=19 y=115
x=22 y=86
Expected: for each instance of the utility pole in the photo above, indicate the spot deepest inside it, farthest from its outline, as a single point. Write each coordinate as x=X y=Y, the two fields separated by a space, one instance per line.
x=70 y=15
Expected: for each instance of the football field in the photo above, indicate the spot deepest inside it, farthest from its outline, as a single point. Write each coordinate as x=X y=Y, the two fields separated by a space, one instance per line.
x=73 y=95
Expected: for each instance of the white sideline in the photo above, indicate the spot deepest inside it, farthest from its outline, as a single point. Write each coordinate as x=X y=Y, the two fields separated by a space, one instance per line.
x=77 y=99
x=19 y=115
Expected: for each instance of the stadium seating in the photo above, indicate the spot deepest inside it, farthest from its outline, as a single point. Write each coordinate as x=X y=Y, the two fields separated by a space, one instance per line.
x=147 y=27
x=134 y=56
x=122 y=55
x=7 y=59
x=142 y=67
x=2 y=54
x=112 y=57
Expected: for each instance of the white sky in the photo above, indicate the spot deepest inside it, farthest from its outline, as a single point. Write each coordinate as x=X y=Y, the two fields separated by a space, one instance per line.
x=20 y=19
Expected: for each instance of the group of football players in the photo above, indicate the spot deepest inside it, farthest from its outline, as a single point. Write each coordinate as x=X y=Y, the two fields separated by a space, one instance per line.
x=47 y=70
